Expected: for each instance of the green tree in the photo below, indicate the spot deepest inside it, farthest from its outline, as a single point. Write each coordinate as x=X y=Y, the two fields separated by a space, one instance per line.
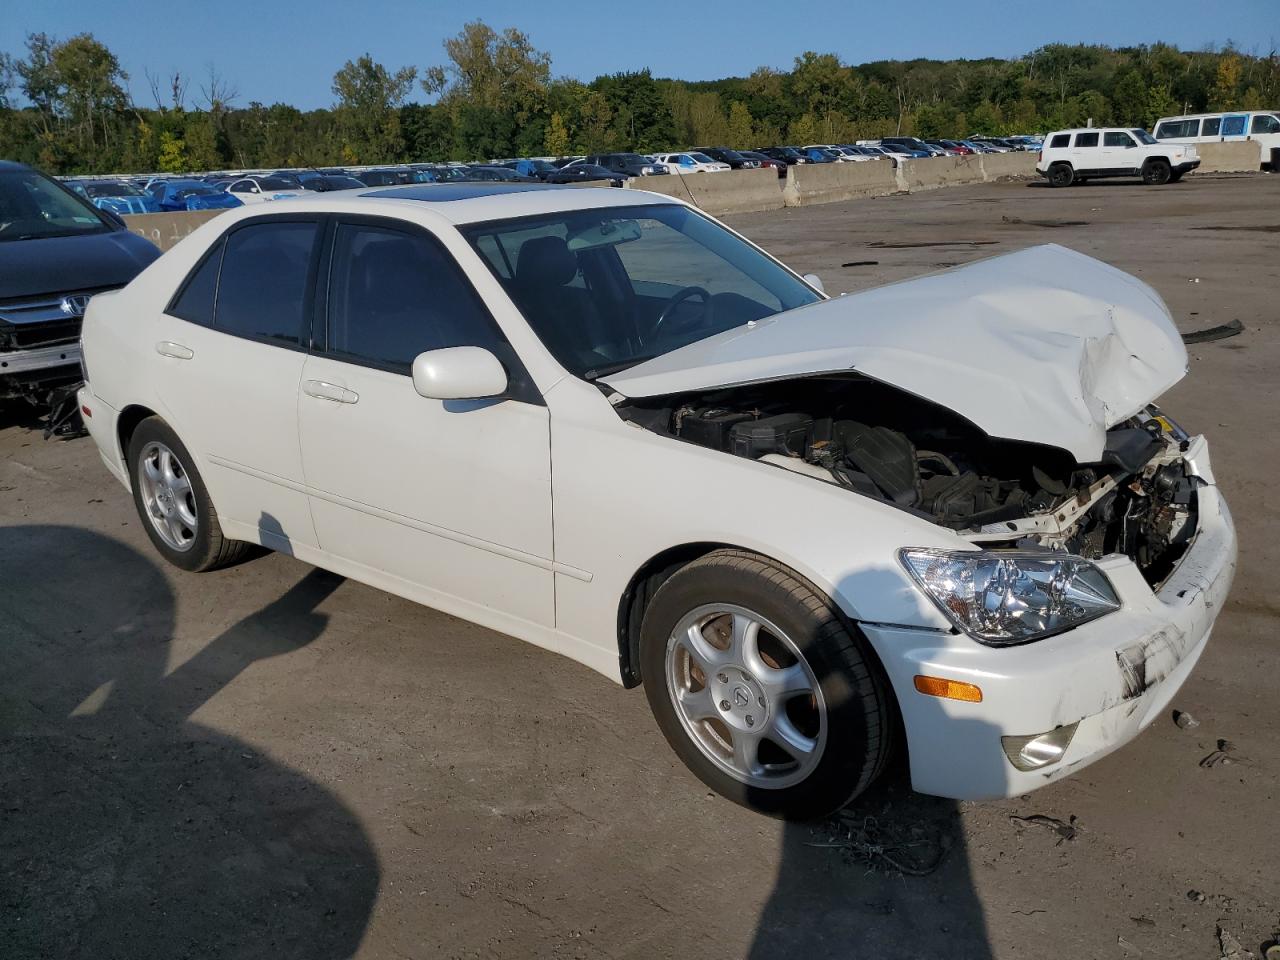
x=369 y=96
x=173 y=154
x=556 y=140
x=741 y=126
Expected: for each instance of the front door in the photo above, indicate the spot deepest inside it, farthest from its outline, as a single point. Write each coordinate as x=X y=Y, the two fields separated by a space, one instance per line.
x=443 y=500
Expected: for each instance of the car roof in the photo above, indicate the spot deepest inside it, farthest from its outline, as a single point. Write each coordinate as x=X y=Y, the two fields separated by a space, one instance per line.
x=12 y=165
x=461 y=203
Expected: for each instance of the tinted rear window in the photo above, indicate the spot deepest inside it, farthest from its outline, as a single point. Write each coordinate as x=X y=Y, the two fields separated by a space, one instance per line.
x=1086 y=139
x=263 y=286
x=195 y=302
x=1061 y=140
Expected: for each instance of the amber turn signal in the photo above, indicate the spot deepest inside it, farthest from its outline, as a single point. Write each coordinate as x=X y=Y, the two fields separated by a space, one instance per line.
x=948 y=689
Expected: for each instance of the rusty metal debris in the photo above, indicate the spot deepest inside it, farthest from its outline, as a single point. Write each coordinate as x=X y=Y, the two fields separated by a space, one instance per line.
x=1065 y=831
x=915 y=849
x=1224 y=754
x=1209 y=334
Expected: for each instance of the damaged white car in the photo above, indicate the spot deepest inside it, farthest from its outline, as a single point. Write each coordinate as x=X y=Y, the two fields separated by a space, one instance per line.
x=606 y=424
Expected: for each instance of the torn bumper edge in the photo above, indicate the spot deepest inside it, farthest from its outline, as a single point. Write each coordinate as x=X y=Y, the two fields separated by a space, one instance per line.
x=1113 y=676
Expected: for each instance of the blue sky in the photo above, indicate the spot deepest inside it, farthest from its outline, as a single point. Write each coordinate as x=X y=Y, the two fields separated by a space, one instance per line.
x=273 y=50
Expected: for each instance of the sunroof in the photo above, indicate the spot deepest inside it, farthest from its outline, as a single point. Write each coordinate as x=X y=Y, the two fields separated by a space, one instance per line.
x=459 y=191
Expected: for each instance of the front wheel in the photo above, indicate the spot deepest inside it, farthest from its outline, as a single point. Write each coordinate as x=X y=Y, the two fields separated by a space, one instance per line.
x=1061 y=175
x=762 y=688
x=1156 y=173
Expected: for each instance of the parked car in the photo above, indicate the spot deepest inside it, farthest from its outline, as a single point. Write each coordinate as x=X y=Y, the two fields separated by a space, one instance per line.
x=327 y=184
x=732 y=157
x=115 y=195
x=912 y=145
x=536 y=168
x=385 y=176
x=56 y=252
x=263 y=189
x=765 y=161
x=952 y=148
x=979 y=533
x=1075 y=156
x=631 y=164
x=689 y=162
x=436 y=172
x=586 y=173
x=191 y=195
x=835 y=153
x=480 y=172
x=788 y=155
x=820 y=155
x=1262 y=126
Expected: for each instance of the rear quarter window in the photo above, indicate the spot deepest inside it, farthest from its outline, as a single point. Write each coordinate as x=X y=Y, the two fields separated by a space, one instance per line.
x=1060 y=140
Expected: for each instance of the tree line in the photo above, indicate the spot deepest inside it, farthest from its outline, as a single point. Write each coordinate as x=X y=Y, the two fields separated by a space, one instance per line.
x=65 y=106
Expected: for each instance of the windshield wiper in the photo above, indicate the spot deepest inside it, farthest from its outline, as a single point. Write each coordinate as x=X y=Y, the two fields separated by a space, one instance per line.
x=595 y=373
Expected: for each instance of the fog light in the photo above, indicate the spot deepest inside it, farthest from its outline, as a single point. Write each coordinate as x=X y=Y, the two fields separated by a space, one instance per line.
x=1039 y=749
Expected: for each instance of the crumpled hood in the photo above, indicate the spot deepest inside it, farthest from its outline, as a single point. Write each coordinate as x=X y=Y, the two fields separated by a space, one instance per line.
x=1045 y=345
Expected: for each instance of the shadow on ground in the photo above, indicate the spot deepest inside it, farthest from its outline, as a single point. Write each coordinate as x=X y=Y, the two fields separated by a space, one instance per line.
x=839 y=891
x=126 y=828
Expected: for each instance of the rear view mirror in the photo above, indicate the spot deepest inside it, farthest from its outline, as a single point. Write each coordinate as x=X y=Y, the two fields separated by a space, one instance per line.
x=607 y=234
x=815 y=281
x=458 y=373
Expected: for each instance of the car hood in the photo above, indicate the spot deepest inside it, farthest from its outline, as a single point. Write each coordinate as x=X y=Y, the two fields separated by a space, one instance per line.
x=1045 y=345
x=30 y=268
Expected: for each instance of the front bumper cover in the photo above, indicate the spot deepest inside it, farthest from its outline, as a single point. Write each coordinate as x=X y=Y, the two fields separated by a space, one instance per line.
x=1113 y=676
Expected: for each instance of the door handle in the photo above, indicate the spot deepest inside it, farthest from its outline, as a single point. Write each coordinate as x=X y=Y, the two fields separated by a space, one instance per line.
x=167 y=348
x=324 y=390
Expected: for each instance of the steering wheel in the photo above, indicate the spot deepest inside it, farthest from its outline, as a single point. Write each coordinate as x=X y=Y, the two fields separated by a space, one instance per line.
x=680 y=297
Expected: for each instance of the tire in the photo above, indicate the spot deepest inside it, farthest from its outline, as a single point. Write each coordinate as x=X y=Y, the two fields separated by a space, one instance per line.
x=1156 y=173
x=712 y=695
x=1061 y=175
x=173 y=503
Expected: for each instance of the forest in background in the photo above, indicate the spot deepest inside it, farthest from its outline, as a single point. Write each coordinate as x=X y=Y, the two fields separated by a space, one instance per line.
x=65 y=105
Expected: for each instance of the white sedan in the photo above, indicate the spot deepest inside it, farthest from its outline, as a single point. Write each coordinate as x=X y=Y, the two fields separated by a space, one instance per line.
x=255 y=190
x=690 y=163
x=607 y=424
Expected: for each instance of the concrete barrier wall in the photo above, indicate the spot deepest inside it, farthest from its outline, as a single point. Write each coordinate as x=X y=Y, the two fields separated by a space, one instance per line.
x=738 y=191
x=1236 y=156
x=166 y=229
x=1007 y=166
x=916 y=175
x=809 y=183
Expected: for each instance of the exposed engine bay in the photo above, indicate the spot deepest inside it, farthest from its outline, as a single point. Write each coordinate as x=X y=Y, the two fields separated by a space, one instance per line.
x=892 y=446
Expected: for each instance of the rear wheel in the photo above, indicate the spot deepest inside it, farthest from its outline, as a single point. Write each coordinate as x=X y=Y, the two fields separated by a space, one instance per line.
x=1156 y=172
x=1061 y=175
x=173 y=503
x=762 y=688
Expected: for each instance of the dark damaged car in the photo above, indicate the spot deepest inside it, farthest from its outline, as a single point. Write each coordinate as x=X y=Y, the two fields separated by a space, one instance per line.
x=56 y=251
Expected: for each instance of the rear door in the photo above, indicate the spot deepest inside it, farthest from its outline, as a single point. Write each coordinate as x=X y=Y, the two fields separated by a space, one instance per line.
x=1235 y=126
x=229 y=351
x=1085 y=152
x=452 y=498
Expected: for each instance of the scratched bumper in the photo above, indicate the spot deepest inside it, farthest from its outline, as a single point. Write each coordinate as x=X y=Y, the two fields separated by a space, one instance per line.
x=1113 y=676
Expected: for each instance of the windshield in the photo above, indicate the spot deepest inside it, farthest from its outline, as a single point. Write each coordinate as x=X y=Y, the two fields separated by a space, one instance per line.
x=608 y=288
x=276 y=183
x=183 y=190
x=701 y=158
x=1143 y=136
x=32 y=207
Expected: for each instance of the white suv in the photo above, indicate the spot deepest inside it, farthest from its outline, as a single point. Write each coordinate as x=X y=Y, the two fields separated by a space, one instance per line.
x=1074 y=156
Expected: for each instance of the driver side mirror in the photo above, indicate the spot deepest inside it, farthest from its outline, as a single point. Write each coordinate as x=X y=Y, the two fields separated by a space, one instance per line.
x=458 y=373
x=815 y=281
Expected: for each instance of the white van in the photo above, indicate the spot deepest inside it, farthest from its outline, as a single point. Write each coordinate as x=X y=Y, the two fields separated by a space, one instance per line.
x=1260 y=125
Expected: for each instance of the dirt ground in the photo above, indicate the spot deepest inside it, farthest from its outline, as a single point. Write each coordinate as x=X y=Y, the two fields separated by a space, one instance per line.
x=270 y=761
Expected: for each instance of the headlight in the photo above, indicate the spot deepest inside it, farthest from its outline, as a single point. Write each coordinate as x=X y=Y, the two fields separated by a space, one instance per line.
x=1008 y=597
x=648 y=171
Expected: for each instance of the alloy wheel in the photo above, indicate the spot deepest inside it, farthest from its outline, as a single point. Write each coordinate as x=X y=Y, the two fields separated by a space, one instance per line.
x=746 y=696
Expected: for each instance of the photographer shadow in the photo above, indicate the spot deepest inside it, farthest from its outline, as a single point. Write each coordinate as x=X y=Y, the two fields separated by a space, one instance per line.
x=128 y=829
